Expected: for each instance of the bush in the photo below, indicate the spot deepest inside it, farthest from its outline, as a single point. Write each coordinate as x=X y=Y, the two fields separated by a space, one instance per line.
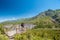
x=39 y=34
x=3 y=37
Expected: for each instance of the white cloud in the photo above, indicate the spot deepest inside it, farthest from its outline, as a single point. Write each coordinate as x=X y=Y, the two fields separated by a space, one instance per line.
x=8 y=19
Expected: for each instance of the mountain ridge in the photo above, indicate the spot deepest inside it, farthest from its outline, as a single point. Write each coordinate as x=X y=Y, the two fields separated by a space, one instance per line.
x=54 y=14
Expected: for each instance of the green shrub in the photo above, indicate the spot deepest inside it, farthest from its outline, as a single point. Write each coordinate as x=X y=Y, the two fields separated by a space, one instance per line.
x=39 y=34
x=3 y=37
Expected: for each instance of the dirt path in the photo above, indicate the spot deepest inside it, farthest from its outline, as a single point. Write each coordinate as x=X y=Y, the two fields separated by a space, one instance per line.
x=11 y=39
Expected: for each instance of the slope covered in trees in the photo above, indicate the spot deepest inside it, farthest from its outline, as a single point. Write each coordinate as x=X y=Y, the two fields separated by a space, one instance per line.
x=47 y=19
x=39 y=34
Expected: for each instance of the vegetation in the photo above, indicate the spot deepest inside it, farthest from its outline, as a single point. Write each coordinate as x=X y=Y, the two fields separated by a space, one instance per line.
x=3 y=37
x=1 y=29
x=48 y=19
x=39 y=34
x=2 y=33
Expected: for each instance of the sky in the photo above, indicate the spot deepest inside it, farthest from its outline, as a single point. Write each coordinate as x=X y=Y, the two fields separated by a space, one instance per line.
x=17 y=9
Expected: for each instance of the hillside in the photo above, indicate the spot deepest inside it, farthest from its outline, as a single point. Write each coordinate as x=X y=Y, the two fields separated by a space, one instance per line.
x=39 y=34
x=49 y=18
x=54 y=14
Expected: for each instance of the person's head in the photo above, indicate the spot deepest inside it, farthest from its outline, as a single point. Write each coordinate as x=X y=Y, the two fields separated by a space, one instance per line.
x=22 y=24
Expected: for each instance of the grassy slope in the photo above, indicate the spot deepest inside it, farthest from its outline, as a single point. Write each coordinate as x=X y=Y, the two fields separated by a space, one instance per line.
x=39 y=34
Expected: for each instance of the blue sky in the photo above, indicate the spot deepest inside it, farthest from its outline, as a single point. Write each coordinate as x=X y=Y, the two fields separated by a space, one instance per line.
x=14 y=9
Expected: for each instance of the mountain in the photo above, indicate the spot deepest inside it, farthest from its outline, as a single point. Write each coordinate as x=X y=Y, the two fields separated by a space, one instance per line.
x=54 y=14
x=49 y=19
